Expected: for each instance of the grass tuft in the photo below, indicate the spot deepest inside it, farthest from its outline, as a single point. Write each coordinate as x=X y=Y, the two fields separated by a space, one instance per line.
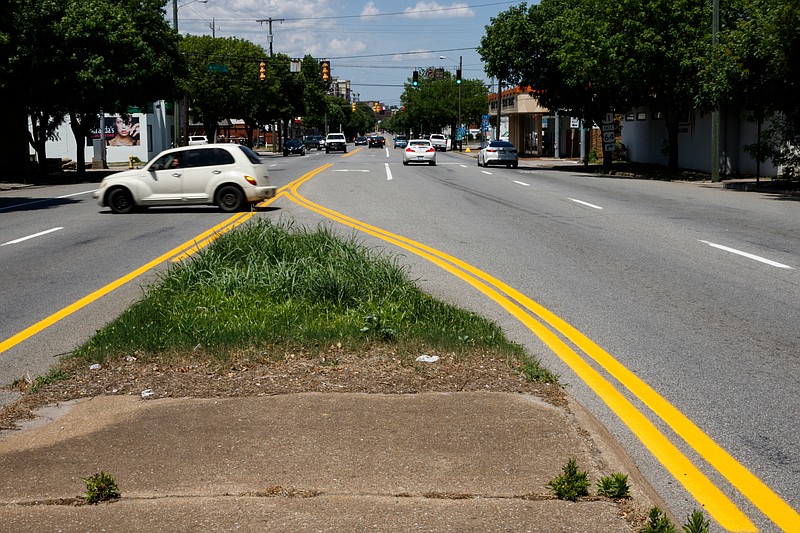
x=614 y=486
x=100 y=487
x=572 y=484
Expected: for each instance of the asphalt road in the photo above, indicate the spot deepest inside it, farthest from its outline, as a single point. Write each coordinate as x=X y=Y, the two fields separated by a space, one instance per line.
x=688 y=293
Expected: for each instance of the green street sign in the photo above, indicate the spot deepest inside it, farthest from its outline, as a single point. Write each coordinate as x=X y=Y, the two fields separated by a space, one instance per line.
x=217 y=67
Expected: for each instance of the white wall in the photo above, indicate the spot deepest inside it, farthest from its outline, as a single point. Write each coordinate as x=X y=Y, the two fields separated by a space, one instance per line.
x=155 y=135
x=644 y=140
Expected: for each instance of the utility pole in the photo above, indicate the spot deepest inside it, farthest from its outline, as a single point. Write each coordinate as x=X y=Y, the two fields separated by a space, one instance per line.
x=270 y=20
x=213 y=27
x=715 y=112
x=499 y=105
x=461 y=71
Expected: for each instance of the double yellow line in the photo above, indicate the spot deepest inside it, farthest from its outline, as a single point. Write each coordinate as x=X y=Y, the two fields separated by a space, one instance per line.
x=534 y=317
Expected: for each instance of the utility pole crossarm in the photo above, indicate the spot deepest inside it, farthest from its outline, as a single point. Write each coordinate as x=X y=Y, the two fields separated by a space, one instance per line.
x=270 y=21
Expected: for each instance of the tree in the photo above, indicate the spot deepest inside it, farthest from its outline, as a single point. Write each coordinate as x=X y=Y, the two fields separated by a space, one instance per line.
x=222 y=82
x=590 y=57
x=117 y=55
x=433 y=104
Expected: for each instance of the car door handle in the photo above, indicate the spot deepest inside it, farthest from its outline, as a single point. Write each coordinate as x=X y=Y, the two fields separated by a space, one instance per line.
x=216 y=172
x=176 y=174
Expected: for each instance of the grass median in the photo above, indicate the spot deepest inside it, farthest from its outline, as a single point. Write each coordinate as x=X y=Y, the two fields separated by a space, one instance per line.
x=272 y=308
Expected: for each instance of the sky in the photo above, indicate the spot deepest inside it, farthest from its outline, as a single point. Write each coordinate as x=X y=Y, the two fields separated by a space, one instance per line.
x=376 y=44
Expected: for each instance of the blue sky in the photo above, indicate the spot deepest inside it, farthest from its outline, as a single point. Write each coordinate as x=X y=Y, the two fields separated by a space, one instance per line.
x=376 y=44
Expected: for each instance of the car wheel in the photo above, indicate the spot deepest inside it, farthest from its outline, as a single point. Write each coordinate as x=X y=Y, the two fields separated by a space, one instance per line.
x=344 y=151
x=405 y=163
x=433 y=163
x=285 y=154
x=121 y=201
x=230 y=199
x=515 y=164
x=327 y=151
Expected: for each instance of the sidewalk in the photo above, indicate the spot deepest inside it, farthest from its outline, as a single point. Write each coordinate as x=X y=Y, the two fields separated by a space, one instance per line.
x=313 y=462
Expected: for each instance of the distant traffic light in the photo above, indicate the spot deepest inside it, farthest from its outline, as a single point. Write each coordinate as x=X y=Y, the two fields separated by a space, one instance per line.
x=458 y=76
x=353 y=107
x=262 y=70
x=415 y=79
x=325 y=67
x=376 y=108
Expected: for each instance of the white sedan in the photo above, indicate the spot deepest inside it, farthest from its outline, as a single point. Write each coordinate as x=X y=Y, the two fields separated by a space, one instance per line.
x=419 y=151
x=498 y=153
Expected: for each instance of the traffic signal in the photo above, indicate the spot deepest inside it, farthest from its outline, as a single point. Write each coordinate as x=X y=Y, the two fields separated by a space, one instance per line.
x=458 y=76
x=353 y=107
x=325 y=67
x=376 y=108
x=415 y=79
x=262 y=70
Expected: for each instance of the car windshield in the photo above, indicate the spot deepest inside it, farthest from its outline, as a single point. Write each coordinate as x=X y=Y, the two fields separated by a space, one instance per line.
x=501 y=144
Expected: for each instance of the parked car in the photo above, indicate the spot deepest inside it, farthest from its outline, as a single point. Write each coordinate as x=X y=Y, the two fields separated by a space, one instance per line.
x=377 y=141
x=335 y=141
x=197 y=139
x=230 y=176
x=360 y=141
x=400 y=141
x=498 y=153
x=294 y=146
x=419 y=151
x=439 y=142
x=314 y=141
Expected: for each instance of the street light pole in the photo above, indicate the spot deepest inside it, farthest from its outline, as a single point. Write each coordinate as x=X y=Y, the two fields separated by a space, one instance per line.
x=460 y=64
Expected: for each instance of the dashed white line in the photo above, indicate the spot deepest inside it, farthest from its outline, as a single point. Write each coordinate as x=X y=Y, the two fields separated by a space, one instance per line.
x=522 y=183
x=350 y=170
x=463 y=166
x=32 y=236
x=587 y=204
x=489 y=173
x=388 y=172
x=748 y=255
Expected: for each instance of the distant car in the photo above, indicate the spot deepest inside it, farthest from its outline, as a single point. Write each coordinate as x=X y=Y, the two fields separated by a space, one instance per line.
x=294 y=146
x=314 y=141
x=400 y=141
x=439 y=142
x=335 y=141
x=376 y=140
x=361 y=141
x=419 y=151
x=498 y=153
x=230 y=176
x=197 y=139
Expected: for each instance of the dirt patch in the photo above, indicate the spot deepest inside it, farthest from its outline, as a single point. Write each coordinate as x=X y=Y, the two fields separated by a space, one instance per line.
x=380 y=371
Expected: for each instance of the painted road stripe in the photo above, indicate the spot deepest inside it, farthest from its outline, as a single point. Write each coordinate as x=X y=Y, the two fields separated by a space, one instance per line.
x=585 y=203
x=705 y=492
x=749 y=256
x=388 y=172
x=485 y=172
x=522 y=183
x=43 y=200
x=22 y=239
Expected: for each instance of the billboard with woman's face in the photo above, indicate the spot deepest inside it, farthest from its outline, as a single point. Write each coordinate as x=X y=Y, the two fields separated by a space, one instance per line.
x=121 y=130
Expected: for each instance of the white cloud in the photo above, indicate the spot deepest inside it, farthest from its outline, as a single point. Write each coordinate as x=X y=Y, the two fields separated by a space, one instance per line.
x=434 y=9
x=370 y=9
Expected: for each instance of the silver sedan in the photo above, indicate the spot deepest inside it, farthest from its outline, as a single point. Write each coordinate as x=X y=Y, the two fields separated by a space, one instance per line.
x=498 y=153
x=419 y=151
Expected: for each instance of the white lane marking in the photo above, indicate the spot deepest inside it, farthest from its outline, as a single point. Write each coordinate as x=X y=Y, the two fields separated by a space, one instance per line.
x=522 y=183
x=745 y=254
x=586 y=203
x=388 y=172
x=463 y=166
x=489 y=173
x=32 y=236
x=387 y=151
x=350 y=170
x=46 y=200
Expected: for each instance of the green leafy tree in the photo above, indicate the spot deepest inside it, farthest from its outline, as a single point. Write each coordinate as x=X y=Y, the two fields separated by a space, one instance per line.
x=591 y=57
x=117 y=54
x=222 y=81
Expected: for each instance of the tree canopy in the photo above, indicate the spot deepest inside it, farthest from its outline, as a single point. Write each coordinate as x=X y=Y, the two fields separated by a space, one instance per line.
x=587 y=57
